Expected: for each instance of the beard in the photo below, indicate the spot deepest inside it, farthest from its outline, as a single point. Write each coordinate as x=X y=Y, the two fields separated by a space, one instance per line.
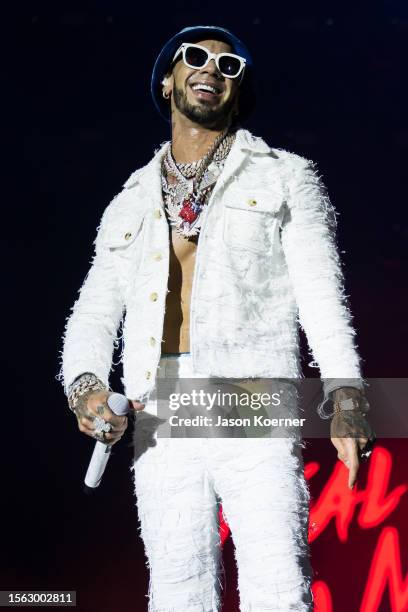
x=202 y=114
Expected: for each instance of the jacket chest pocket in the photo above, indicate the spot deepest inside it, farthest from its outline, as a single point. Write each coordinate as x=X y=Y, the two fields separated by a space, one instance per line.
x=251 y=222
x=124 y=238
x=121 y=234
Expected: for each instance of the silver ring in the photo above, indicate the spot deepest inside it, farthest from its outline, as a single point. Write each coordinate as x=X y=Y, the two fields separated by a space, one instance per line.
x=101 y=425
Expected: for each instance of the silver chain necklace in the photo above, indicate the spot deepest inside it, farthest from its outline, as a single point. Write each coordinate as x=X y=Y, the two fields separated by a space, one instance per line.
x=187 y=170
x=186 y=198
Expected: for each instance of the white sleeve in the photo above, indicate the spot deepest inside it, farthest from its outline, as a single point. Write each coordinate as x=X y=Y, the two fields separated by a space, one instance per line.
x=91 y=329
x=309 y=243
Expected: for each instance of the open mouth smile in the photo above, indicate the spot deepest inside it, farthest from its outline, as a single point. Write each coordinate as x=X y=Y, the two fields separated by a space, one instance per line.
x=205 y=91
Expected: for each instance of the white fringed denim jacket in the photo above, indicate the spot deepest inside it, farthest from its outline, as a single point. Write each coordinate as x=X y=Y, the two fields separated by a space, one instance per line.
x=266 y=261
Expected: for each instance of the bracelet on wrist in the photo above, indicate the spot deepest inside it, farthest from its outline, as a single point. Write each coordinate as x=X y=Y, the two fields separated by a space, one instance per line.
x=352 y=403
x=83 y=384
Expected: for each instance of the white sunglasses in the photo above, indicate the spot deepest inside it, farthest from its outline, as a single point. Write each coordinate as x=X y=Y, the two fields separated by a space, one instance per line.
x=197 y=57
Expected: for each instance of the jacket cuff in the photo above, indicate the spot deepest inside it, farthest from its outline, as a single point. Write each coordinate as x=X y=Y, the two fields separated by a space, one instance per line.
x=331 y=384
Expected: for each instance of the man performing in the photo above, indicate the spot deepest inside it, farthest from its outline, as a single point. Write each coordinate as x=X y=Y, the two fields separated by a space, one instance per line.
x=209 y=255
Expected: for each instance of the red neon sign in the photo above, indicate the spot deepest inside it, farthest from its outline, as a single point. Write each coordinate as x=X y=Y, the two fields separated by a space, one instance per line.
x=374 y=505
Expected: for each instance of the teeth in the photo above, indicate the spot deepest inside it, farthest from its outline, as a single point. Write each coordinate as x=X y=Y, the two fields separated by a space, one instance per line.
x=206 y=87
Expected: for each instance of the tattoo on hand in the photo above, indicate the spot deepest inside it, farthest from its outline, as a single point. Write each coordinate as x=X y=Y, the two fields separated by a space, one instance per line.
x=351 y=424
x=81 y=409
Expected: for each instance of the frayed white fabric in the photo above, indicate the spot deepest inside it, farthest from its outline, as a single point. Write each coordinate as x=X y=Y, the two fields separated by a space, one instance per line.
x=266 y=262
x=265 y=498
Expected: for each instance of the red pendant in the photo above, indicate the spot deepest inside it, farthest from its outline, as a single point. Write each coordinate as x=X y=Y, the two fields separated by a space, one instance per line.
x=187 y=213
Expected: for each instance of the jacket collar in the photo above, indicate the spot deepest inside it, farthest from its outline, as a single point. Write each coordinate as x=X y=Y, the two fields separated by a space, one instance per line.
x=248 y=142
x=244 y=141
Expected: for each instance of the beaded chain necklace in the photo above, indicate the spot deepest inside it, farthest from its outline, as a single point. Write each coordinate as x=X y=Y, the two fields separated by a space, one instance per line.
x=185 y=200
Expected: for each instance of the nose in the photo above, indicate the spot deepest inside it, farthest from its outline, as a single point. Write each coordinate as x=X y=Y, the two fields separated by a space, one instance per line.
x=211 y=68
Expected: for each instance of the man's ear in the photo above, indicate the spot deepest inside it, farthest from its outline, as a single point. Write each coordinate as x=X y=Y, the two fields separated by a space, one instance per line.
x=167 y=83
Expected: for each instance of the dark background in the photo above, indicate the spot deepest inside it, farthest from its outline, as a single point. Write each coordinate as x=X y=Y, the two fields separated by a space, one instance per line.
x=331 y=86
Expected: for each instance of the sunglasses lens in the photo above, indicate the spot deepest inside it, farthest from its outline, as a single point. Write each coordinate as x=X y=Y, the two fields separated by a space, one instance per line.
x=196 y=57
x=229 y=66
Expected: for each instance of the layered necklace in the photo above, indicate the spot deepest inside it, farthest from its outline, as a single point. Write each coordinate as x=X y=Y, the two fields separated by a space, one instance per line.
x=186 y=198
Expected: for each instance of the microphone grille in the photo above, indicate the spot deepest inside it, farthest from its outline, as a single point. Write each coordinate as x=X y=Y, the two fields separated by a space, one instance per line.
x=118 y=403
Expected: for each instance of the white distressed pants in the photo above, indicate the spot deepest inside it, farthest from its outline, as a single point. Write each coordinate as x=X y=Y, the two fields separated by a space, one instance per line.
x=179 y=484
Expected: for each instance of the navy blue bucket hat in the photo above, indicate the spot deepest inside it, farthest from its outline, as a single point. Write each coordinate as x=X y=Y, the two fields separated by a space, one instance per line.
x=194 y=34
